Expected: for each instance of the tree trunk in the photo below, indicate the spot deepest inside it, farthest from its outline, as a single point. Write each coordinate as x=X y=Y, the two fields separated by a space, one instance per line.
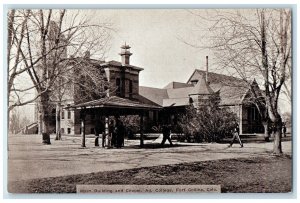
x=39 y=120
x=266 y=132
x=45 y=117
x=277 y=148
x=58 y=133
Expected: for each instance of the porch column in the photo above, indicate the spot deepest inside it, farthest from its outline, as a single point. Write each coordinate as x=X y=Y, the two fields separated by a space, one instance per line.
x=241 y=119
x=142 y=129
x=107 y=133
x=82 y=119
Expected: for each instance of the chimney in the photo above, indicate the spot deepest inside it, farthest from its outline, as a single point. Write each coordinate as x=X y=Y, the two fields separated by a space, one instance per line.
x=125 y=54
x=206 y=75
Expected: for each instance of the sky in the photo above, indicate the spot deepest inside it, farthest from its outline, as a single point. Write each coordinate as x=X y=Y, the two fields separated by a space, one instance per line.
x=155 y=37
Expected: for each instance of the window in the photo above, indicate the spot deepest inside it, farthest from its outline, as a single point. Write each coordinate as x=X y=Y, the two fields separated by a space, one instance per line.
x=130 y=88
x=69 y=114
x=118 y=84
x=69 y=130
x=62 y=114
x=62 y=130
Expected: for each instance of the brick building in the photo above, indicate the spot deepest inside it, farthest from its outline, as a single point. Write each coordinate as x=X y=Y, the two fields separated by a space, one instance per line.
x=124 y=90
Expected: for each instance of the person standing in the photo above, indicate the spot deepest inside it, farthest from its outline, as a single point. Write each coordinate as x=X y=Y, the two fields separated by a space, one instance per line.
x=166 y=130
x=284 y=129
x=120 y=131
x=112 y=133
x=96 y=136
x=236 y=135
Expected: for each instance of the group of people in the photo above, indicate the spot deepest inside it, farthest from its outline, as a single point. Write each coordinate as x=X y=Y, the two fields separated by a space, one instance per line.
x=115 y=137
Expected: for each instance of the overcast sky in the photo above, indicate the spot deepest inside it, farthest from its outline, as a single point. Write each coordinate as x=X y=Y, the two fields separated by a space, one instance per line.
x=154 y=37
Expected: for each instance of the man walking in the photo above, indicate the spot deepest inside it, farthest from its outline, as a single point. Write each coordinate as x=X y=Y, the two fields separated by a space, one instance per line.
x=166 y=135
x=236 y=136
x=284 y=129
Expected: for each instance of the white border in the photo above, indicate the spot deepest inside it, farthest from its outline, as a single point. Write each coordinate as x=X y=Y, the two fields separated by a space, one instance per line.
x=84 y=3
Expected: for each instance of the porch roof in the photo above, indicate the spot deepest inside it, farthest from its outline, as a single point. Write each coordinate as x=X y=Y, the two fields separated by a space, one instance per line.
x=116 y=103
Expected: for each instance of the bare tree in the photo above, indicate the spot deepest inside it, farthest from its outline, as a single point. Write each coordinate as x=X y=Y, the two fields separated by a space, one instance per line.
x=46 y=39
x=254 y=44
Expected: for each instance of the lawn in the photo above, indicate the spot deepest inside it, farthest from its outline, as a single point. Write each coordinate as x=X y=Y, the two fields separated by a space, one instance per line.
x=270 y=174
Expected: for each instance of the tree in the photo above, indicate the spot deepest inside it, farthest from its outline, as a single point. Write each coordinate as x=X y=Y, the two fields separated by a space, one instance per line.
x=254 y=44
x=14 y=122
x=46 y=39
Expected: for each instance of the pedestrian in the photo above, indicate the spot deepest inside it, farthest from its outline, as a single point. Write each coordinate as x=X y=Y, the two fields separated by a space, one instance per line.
x=120 y=131
x=112 y=134
x=99 y=128
x=236 y=135
x=103 y=138
x=97 y=132
x=166 y=130
x=284 y=129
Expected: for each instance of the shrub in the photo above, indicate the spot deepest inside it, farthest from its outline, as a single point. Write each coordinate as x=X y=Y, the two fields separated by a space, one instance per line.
x=206 y=123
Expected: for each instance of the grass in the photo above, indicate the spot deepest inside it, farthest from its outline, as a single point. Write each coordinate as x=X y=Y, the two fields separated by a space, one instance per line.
x=272 y=174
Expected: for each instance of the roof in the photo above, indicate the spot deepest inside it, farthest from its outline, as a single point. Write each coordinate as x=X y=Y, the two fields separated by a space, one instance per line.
x=155 y=95
x=201 y=87
x=216 y=78
x=180 y=92
x=232 y=90
x=119 y=64
x=184 y=101
x=230 y=95
x=114 y=102
x=175 y=85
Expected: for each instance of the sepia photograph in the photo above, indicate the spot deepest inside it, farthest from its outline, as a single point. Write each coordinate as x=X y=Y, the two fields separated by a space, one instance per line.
x=149 y=101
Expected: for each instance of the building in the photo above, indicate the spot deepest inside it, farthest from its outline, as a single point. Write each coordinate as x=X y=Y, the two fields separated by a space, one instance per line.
x=124 y=92
x=233 y=93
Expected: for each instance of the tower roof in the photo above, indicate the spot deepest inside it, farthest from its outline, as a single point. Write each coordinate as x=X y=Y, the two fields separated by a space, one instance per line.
x=125 y=50
x=125 y=46
x=201 y=87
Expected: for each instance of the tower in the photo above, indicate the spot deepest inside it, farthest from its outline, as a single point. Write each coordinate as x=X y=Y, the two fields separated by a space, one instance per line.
x=202 y=94
x=125 y=54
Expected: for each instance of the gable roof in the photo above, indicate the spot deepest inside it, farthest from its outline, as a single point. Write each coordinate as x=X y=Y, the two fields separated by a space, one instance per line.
x=230 y=95
x=217 y=78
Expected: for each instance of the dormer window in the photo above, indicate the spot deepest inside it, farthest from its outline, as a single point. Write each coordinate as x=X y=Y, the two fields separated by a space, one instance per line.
x=194 y=82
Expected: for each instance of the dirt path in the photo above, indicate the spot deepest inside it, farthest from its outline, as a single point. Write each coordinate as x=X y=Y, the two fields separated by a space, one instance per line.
x=29 y=159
